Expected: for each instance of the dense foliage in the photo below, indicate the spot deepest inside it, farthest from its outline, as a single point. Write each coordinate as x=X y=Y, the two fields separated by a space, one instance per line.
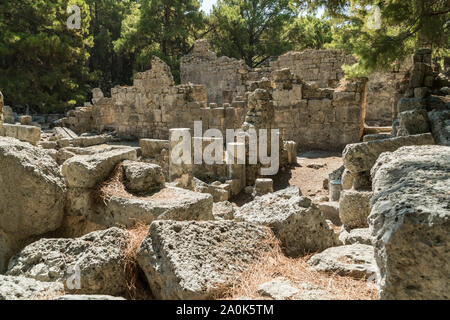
x=47 y=66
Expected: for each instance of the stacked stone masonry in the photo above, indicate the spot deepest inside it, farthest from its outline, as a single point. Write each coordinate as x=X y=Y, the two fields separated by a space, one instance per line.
x=313 y=117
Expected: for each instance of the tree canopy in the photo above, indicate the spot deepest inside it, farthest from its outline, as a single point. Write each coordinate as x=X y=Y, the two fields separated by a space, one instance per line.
x=383 y=32
x=49 y=67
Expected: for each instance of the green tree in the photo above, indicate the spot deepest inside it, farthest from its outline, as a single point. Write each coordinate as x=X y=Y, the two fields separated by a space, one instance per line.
x=309 y=32
x=165 y=28
x=42 y=61
x=403 y=26
x=107 y=17
x=251 y=30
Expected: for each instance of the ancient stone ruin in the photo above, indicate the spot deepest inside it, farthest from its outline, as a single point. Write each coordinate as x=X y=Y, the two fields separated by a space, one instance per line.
x=95 y=206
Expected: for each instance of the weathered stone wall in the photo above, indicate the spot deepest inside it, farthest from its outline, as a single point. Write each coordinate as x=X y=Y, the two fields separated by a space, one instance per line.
x=321 y=67
x=224 y=77
x=152 y=106
x=319 y=118
x=313 y=117
x=383 y=93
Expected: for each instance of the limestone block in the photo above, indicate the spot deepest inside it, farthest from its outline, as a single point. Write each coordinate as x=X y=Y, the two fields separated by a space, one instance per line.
x=143 y=177
x=88 y=170
x=413 y=122
x=361 y=236
x=192 y=260
x=330 y=211
x=98 y=257
x=360 y=157
x=29 y=134
x=25 y=120
x=410 y=222
x=263 y=186
x=23 y=288
x=354 y=208
x=440 y=126
x=356 y=260
x=32 y=190
x=297 y=222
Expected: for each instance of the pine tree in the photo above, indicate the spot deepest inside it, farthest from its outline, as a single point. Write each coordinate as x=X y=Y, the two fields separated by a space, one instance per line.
x=42 y=61
x=165 y=28
x=383 y=32
x=251 y=29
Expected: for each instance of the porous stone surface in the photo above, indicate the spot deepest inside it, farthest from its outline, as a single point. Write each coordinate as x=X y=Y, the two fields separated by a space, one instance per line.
x=8 y=115
x=405 y=104
x=362 y=182
x=191 y=260
x=330 y=211
x=25 y=120
x=96 y=257
x=410 y=222
x=143 y=177
x=263 y=186
x=356 y=260
x=23 y=288
x=360 y=157
x=169 y=204
x=347 y=180
x=223 y=210
x=87 y=171
x=413 y=122
x=278 y=289
x=377 y=136
x=440 y=126
x=88 y=141
x=361 y=235
x=354 y=208
x=23 y=133
x=294 y=219
x=310 y=291
x=32 y=194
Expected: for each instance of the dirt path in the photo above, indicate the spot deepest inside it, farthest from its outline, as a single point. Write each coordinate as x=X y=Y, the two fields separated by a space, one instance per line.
x=313 y=167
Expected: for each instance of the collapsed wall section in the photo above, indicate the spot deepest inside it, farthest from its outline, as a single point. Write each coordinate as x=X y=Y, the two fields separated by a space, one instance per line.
x=224 y=77
x=320 y=67
x=152 y=106
x=319 y=118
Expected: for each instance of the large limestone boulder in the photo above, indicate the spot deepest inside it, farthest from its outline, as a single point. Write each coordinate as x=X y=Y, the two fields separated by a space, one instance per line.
x=413 y=122
x=294 y=219
x=330 y=210
x=29 y=134
x=88 y=141
x=354 y=208
x=87 y=171
x=92 y=264
x=410 y=222
x=360 y=157
x=143 y=177
x=32 y=194
x=361 y=235
x=356 y=260
x=192 y=260
x=22 y=288
x=170 y=203
x=440 y=126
